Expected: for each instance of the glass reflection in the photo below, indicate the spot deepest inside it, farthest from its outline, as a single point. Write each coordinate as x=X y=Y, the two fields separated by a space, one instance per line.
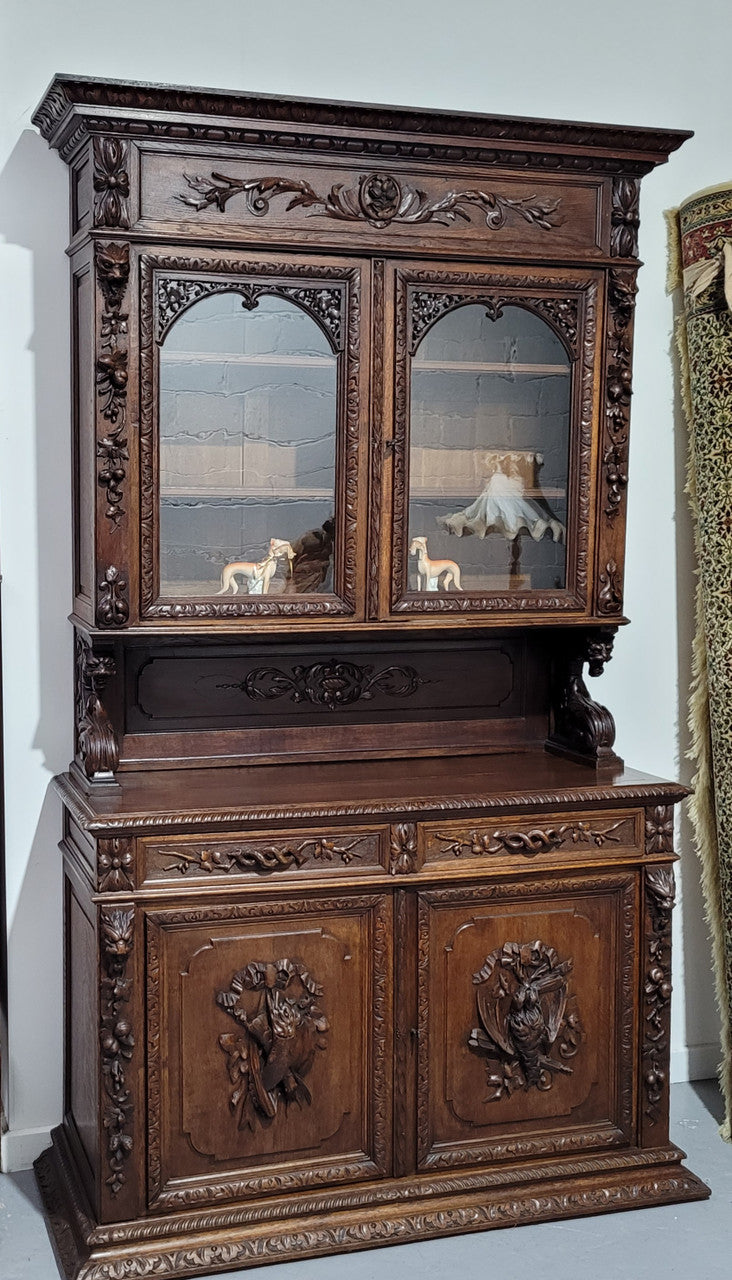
x=247 y=413
x=489 y=450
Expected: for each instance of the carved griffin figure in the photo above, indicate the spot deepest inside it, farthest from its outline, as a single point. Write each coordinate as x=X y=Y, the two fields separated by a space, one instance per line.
x=283 y=1028
x=522 y=1007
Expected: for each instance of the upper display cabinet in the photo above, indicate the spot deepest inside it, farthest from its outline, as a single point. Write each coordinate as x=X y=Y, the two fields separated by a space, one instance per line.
x=345 y=365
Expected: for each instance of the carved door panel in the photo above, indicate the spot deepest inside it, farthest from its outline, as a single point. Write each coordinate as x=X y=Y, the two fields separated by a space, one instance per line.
x=252 y=394
x=269 y=1051
x=526 y=1019
x=489 y=455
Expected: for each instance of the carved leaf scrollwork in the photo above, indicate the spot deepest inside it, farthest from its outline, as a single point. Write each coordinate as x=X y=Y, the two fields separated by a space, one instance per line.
x=117 y=1041
x=524 y=1010
x=176 y=294
x=529 y=843
x=427 y=307
x=330 y=684
x=378 y=199
x=274 y=856
x=275 y=1005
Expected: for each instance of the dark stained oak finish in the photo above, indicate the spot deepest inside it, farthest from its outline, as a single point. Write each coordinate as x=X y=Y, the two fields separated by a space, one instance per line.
x=367 y=926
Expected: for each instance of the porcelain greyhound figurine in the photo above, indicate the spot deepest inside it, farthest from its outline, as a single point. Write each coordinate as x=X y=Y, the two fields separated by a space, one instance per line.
x=256 y=575
x=429 y=571
x=259 y=574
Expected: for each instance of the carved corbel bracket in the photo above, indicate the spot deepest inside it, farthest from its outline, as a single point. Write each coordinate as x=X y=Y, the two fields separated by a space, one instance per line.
x=96 y=740
x=580 y=727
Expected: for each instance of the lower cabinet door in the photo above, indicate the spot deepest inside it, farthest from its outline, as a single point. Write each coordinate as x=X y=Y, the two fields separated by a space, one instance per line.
x=269 y=1046
x=526 y=1020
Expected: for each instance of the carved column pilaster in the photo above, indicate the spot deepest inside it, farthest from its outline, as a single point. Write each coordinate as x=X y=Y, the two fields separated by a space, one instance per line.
x=659 y=897
x=615 y=442
x=117 y=1035
x=112 y=269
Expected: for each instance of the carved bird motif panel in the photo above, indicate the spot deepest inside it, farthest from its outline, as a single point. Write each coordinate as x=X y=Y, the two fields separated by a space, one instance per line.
x=517 y=992
x=264 y=1057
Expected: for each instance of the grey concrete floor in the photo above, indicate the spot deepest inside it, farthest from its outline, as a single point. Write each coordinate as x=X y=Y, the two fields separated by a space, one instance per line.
x=689 y=1241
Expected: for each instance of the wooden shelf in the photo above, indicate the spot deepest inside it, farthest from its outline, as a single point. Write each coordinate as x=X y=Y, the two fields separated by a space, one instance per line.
x=431 y=495
x=482 y=366
x=234 y=357
x=211 y=491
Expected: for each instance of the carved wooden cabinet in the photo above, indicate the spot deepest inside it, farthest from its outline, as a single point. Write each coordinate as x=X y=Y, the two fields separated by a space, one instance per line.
x=367 y=926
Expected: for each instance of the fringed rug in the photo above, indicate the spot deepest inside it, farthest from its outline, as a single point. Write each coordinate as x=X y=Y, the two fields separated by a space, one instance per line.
x=705 y=344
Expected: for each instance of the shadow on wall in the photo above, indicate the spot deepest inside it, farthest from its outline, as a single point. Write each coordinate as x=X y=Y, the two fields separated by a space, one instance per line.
x=37 y=640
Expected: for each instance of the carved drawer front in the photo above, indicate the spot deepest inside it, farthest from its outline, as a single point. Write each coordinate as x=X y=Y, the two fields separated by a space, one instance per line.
x=526 y=1019
x=267 y=855
x=269 y=1047
x=531 y=840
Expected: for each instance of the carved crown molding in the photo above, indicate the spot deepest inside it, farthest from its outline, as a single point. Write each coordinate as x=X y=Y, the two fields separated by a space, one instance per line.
x=140 y=110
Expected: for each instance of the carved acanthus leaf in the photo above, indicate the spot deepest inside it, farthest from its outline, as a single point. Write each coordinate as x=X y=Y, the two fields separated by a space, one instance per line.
x=330 y=684
x=95 y=736
x=403 y=848
x=111 y=183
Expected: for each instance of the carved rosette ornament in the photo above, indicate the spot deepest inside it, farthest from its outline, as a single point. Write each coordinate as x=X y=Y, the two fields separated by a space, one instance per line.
x=111 y=183
x=403 y=848
x=660 y=897
x=113 y=269
x=330 y=684
x=378 y=199
x=522 y=1000
x=95 y=737
x=625 y=218
x=275 y=1005
x=115 y=863
x=116 y=1039
x=660 y=829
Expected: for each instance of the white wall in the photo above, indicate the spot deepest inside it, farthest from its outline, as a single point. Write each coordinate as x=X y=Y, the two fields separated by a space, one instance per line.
x=635 y=62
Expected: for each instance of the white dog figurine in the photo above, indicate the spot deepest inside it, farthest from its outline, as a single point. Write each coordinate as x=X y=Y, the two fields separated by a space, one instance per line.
x=429 y=571
x=257 y=576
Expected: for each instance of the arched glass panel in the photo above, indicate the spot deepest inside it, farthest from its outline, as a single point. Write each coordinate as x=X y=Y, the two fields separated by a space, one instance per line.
x=247 y=413
x=489 y=454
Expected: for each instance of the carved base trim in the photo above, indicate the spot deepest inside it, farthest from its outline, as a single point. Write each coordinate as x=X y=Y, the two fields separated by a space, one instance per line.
x=397 y=1212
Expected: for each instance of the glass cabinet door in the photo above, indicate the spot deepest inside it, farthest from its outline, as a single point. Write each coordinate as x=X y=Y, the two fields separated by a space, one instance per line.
x=251 y=447
x=491 y=451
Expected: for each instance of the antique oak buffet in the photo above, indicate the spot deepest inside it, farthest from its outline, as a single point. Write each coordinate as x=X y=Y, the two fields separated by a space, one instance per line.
x=367 y=927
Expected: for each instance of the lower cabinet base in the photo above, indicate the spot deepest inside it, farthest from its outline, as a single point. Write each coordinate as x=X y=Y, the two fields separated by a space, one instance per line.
x=369 y=1215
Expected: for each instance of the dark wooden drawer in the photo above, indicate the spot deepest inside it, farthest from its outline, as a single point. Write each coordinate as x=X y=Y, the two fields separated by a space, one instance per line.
x=267 y=854
x=540 y=839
